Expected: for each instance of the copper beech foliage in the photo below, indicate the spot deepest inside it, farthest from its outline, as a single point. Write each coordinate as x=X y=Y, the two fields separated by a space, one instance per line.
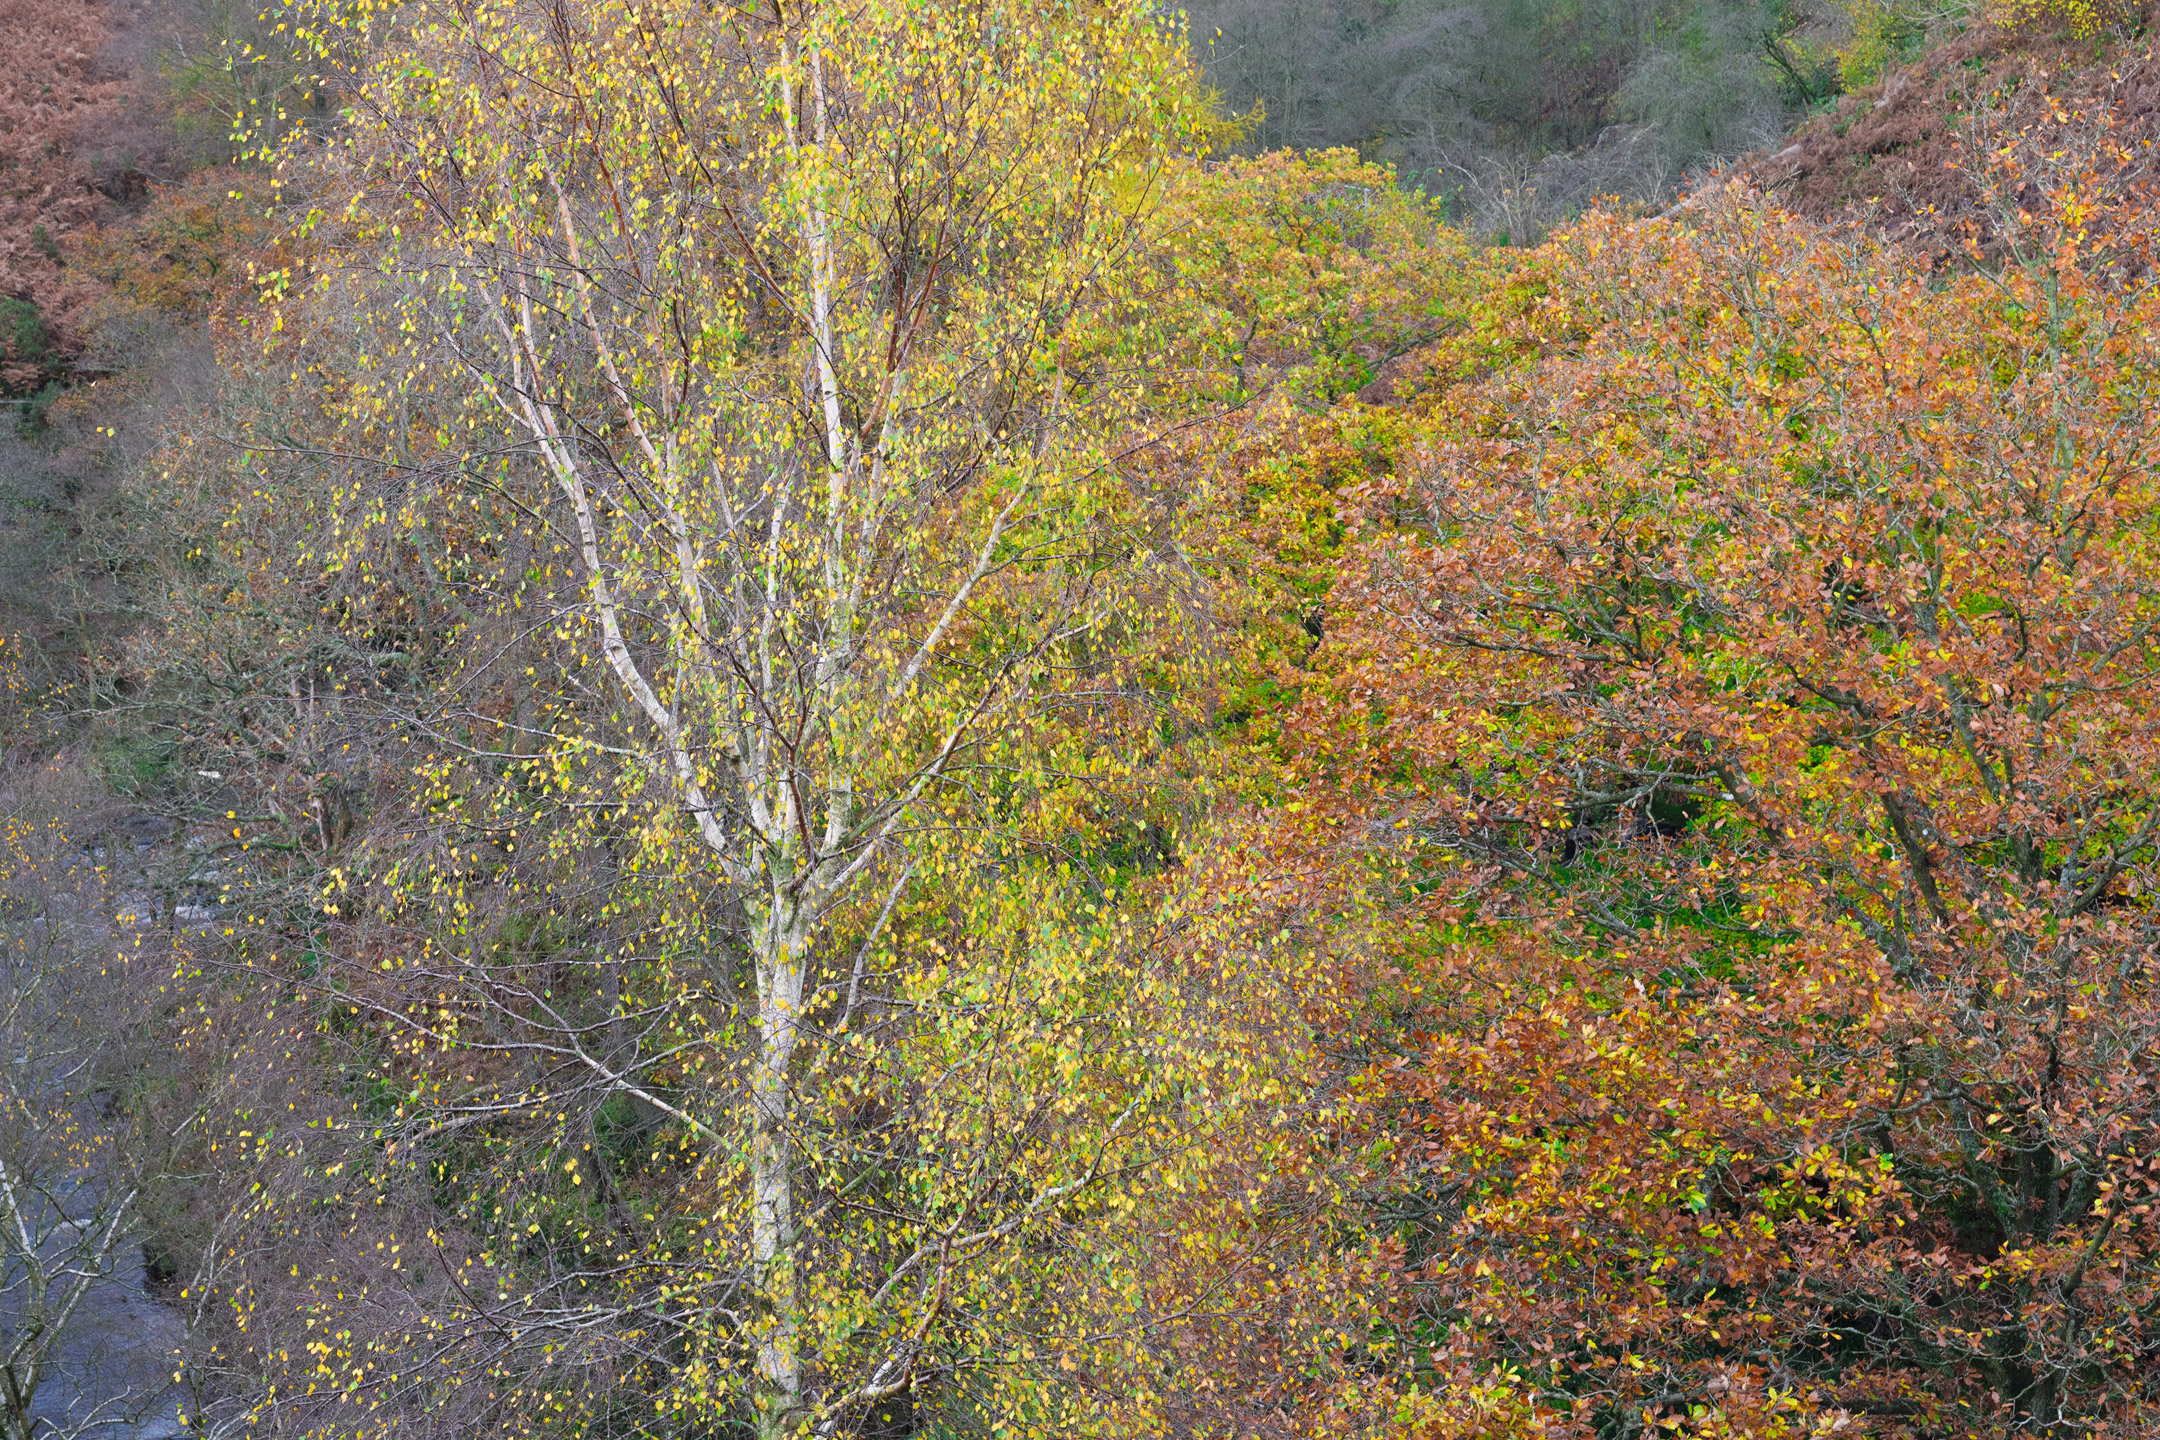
x=1745 y=708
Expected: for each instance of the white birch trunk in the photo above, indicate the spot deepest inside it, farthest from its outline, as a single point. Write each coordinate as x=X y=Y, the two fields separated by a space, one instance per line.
x=772 y=1179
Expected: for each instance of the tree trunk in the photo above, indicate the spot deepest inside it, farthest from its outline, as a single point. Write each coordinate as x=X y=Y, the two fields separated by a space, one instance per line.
x=780 y=990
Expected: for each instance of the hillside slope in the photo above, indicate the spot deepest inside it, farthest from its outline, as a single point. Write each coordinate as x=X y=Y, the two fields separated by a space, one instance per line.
x=77 y=134
x=1905 y=155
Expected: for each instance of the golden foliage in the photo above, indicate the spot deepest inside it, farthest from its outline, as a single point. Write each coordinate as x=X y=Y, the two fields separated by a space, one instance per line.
x=2082 y=18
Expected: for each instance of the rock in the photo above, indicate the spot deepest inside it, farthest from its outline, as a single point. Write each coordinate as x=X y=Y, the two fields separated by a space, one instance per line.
x=145 y=830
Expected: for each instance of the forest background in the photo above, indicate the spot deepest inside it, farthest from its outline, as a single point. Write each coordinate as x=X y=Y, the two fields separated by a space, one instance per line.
x=1025 y=718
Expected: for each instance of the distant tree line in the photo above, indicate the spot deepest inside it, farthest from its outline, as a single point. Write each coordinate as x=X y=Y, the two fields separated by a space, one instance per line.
x=1527 y=110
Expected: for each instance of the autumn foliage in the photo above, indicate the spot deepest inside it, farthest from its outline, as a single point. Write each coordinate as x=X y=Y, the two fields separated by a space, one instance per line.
x=888 y=755
x=1742 y=710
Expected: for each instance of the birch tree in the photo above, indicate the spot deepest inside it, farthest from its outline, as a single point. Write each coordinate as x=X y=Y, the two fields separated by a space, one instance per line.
x=769 y=301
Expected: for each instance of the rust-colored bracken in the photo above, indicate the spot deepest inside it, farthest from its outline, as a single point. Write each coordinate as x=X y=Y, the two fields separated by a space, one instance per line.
x=68 y=103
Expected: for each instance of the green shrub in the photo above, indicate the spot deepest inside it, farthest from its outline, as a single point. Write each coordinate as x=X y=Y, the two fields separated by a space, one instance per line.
x=27 y=347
